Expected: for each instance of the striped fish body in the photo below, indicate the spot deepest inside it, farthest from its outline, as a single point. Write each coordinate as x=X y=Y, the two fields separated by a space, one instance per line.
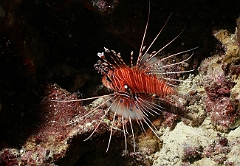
x=136 y=81
x=138 y=89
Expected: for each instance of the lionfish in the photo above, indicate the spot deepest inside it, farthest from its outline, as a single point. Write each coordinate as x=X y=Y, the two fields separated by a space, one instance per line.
x=136 y=88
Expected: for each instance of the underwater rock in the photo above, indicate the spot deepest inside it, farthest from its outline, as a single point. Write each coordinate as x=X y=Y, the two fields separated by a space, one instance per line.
x=56 y=133
x=192 y=91
x=220 y=74
x=212 y=100
x=217 y=86
x=101 y=6
x=229 y=43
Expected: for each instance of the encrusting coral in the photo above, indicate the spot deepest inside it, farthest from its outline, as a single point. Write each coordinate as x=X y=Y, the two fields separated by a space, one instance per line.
x=55 y=134
x=219 y=74
x=212 y=100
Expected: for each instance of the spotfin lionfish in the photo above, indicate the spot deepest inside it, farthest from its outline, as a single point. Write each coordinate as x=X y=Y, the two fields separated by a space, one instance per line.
x=137 y=89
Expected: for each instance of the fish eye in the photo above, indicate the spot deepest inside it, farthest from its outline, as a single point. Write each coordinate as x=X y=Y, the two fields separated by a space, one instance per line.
x=126 y=87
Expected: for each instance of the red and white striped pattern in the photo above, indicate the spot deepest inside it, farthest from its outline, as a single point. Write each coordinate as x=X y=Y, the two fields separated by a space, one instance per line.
x=138 y=82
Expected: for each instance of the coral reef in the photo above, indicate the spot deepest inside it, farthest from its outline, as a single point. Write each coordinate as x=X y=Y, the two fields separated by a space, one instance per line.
x=218 y=85
x=9 y=157
x=101 y=6
x=219 y=82
x=186 y=145
x=61 y=130
x=212 y=101
x=56 y=41
x=49 y=143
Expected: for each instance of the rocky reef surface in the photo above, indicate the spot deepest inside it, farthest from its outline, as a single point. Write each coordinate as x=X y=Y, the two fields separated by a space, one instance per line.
x=211 y=135
x=53 y=43
x=212 y=100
